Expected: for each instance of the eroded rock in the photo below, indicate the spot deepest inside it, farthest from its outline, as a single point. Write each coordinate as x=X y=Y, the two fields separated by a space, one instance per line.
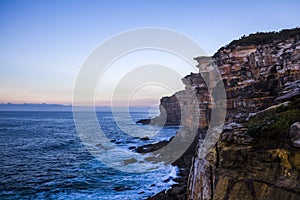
x=295 y=134
x=256 y=76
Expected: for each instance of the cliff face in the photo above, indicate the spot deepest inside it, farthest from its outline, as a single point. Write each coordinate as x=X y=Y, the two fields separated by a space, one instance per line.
x=189 y=107
x=253 y=75
x=255 y=157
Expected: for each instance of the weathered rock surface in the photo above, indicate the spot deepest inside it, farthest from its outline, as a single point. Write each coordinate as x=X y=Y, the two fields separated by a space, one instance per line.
x=290 y=91
x=256 y=78
x=183 y=108
x=170 y=113
x=254 y=75
x=235 y=169
x=295 y=134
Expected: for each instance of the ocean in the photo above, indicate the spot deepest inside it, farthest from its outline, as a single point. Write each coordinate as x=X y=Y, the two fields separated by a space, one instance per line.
x=42 y=157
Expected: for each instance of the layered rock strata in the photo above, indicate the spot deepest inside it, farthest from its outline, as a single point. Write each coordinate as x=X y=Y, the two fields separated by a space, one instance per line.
x=242 y=165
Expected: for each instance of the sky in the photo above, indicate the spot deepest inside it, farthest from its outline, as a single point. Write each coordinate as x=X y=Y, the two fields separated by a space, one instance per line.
x=43 y=44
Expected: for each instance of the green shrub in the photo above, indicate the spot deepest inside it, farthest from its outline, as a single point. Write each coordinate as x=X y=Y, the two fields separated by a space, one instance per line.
x=261 y=38
x=273 y=125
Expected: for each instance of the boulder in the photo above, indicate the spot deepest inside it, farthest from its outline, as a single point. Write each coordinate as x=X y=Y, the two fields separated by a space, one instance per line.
x=295 y=134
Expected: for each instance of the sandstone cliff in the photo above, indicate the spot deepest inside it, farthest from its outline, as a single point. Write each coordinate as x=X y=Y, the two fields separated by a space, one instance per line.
x=257 y=155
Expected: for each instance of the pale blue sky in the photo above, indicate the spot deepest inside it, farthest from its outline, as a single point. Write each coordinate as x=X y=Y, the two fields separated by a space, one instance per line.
x=44 y=43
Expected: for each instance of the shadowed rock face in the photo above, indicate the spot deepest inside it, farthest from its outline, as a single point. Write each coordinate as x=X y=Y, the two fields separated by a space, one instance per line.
x=256 y=77
x=169 y=111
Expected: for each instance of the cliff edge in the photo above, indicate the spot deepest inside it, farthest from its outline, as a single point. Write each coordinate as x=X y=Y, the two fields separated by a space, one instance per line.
x=257 y=155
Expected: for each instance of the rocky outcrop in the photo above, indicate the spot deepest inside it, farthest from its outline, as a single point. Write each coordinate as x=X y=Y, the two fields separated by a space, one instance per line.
x=254 y=162
x=256 y=157
x=170 y=113
x=254 y=74
x=183 y=108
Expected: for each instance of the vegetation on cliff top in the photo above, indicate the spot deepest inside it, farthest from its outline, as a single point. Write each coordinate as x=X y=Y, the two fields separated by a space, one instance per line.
x=261 y=38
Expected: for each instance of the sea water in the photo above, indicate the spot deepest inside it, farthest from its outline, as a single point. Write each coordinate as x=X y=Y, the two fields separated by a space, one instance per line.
x=42 y=157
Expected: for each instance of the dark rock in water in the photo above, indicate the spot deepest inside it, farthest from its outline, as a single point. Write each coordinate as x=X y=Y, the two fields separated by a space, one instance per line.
x=145 y=138
x=118 y=142
x=151 y=147
x=167 y=180
x=122 y=188
x=112 y=140
x=142 y=192
x=131 y=148
x=144 y=121
x=152 y=185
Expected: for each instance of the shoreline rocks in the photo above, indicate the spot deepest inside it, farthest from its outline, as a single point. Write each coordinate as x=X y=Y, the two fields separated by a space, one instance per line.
x=178 y=191
x=144 y=121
